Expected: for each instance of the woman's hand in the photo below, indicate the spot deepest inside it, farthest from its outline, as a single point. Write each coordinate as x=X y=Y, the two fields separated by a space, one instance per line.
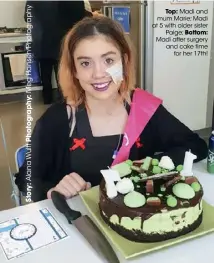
x=70 y=186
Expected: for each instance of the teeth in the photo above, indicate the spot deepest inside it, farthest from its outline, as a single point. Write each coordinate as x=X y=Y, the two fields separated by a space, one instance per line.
x=99 y=86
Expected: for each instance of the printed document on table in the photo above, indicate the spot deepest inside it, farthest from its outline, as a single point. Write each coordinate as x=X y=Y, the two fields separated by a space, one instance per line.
x=29 y=232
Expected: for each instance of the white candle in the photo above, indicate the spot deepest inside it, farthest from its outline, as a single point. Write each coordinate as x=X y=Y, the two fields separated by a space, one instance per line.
x=110 y=176
x=111 y=190
x=188 y=164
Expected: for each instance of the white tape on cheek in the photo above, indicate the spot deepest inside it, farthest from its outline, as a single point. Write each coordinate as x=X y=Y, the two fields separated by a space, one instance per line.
x=116 y=72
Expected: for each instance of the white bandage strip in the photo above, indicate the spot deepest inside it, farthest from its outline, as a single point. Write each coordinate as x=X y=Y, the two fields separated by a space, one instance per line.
x=116 y=72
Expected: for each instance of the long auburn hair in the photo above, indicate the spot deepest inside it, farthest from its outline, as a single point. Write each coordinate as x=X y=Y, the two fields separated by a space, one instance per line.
x=88 y=27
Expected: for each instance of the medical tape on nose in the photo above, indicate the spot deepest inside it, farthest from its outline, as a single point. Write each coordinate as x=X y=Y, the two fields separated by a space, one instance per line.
x=116 y=72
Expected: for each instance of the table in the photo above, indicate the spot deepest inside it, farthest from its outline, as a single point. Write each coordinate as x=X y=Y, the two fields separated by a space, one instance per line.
x=76 y=249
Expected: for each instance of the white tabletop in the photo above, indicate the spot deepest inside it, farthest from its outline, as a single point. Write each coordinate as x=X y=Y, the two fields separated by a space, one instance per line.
x=76 y=249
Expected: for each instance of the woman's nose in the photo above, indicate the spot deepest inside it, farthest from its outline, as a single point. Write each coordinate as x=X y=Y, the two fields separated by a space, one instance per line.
x=99 y=71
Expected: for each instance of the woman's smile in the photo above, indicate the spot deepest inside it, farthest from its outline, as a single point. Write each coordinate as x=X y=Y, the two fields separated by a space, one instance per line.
x=102 y=86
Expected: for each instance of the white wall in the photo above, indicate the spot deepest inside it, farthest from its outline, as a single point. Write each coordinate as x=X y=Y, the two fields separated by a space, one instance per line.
x=12 y=13
x=182 y=82
x=211 y=84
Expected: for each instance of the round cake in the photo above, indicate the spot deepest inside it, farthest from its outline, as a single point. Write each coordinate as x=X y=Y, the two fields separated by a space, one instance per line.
x=150 y=202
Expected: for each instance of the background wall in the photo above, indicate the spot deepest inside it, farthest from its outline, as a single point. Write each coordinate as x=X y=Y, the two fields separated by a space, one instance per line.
x=183 y=81
x=210 y=100
x=12 y=13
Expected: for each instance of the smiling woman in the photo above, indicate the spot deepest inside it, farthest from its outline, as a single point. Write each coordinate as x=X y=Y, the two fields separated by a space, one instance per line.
x=94 y=51
x=103 y=119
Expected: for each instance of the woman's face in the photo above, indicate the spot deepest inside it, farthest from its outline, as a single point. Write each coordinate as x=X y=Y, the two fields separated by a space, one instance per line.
x=92 y=57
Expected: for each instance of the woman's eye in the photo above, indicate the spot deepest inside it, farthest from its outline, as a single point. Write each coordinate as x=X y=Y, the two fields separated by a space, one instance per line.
x=109 y=61
x=85 y=64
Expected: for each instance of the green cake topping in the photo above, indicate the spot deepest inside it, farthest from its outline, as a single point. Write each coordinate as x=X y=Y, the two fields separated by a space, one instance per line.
x=134 y=199
x=171 y=201
x=122 y=168
x=129 y=162
x=155 y=162
x=179 y=168
x=156 y=170
x=145 y=166
x=182 y=190
x=135 y=168
x=163 y=188
x=143 y=175
x=136 y=179
x=196 y=186
x=164 y=171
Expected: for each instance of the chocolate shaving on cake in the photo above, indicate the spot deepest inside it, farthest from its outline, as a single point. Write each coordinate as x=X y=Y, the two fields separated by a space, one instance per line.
x=150 y=186
x=154 y=201
x=138 y=162
x=184 y=203
x=190 y=180
x=183 y=215
x=173 y=181
x=158 y=176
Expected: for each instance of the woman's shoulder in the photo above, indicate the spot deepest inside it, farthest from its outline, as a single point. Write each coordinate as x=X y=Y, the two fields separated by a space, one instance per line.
x=140 y=95
x=55 y=114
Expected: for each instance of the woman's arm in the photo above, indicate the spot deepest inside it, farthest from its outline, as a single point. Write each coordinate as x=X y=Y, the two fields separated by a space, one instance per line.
x=173 y=138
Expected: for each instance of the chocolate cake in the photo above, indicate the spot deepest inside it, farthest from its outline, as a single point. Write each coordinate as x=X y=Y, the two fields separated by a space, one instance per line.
x=151 y=203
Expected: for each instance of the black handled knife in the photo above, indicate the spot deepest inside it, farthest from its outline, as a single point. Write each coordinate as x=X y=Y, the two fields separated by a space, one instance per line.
x=86 y=227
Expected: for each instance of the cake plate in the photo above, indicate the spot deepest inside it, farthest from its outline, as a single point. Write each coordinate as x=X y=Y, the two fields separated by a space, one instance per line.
x=131 y=249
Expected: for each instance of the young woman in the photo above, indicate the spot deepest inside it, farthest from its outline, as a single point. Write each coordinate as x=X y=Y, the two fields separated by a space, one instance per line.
x=104 y=120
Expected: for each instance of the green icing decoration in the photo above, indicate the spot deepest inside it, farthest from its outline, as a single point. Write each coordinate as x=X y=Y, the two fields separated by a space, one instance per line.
x=143 y=175
x=122 y=168
x=164 y=171
x=172 y=201
x=129 y=162
x=179 y=168
x=156 y=170
x=146 y=163
x=135 y=168
x=163 y=188
x=136 y=179
x=196 y=186
x=182 y=190
x=134 y=199
x=155 y=162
